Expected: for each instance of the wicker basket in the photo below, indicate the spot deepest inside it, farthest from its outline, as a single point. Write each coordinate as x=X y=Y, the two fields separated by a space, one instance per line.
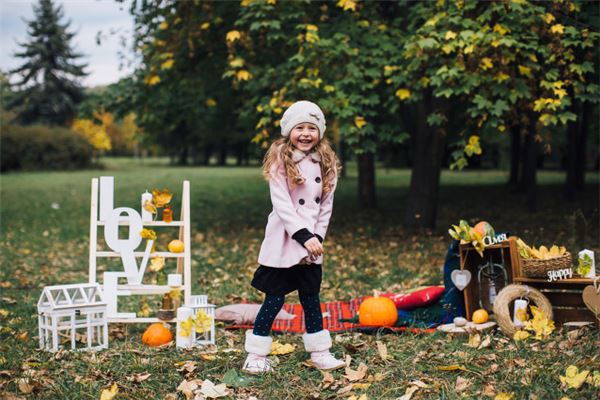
x=535 y=268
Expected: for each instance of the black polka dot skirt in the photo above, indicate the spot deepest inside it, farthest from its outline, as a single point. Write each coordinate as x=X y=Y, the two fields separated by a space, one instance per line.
x=306 y=278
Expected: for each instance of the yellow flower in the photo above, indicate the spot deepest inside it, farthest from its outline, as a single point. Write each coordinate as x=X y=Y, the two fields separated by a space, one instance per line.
x=186 y=327
x=359 y=122
x=202 y=322
x=161 y=198
x=150 y=207
x=232 y=36
x=403 y=94
x=157 y=263
x=148 y=234
x=469 y=49
x=175 y=294
x=205 y=25
x=211 y=102
x=163 y=25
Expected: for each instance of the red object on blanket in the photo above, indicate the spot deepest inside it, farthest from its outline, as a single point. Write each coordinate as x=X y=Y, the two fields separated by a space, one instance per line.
x=419 y=298
x=332 y=313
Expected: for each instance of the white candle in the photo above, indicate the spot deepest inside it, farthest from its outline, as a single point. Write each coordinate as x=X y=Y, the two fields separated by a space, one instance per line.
x=174 y=279
x=146 y=215
x=520 y=304
x=182 y=342
x=590 y=254
x=107 y=188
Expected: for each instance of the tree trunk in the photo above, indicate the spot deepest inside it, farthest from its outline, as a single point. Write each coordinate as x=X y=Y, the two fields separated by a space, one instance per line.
x=183 y=156
x=366 y=180
x=223 y=155
x=421 y=207
x=207 y=153
x=530 y=170
x=587 y=110
x=572 y=144
x=515 y=156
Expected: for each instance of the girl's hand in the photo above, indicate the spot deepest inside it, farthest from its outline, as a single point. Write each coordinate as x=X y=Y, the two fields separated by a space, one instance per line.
x=314 y=247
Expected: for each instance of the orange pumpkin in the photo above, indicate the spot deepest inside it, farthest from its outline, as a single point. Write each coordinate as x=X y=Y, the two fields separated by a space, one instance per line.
x=156 y=335
x=377 y=311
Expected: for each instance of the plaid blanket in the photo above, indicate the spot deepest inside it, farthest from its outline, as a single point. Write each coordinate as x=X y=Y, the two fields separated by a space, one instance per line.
x=333 y=314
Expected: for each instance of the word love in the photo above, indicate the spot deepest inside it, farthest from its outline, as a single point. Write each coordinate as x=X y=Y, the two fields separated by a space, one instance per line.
x=488 y=240
x=558 y=274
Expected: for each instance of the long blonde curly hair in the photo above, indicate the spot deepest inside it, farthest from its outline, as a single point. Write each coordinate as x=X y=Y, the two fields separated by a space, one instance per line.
x=281 y=151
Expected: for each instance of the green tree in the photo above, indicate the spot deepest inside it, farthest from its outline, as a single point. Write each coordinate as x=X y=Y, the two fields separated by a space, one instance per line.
x=507 y=65
x=48 y=88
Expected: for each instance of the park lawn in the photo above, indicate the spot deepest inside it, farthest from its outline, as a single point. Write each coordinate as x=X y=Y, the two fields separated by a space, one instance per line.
x=44 y=240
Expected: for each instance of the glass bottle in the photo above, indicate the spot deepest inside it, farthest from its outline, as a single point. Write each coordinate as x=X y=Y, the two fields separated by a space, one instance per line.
x=167 y=213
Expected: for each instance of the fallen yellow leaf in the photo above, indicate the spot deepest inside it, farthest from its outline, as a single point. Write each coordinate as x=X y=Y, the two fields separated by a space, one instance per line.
x=574 y=379
x=280 y=349
x=109 y=394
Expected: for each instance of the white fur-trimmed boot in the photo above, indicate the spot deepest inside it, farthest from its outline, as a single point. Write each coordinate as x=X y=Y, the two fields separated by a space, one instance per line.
x=318 y=345
x=257 y=347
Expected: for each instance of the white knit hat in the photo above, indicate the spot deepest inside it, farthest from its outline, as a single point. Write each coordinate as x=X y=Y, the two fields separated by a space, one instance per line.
x=302 y=111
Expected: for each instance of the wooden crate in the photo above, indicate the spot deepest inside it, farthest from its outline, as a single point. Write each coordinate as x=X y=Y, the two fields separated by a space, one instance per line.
x=565 y=296
x=504 y=252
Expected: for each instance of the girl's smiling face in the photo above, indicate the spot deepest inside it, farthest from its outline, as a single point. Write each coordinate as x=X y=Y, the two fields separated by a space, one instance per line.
x=304 y=136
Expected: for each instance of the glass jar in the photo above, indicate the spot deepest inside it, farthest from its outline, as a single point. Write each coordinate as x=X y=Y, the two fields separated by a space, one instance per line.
x=167 y=213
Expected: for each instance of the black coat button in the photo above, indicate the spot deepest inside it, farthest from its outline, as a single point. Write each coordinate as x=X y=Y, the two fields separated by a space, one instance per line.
x=318 y=180
x=301 y=201
x=318 y=200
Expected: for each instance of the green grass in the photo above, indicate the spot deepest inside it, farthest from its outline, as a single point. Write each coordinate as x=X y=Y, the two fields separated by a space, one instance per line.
x=366 y=251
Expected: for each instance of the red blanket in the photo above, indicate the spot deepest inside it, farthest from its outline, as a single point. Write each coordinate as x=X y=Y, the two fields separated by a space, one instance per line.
x=332 y=313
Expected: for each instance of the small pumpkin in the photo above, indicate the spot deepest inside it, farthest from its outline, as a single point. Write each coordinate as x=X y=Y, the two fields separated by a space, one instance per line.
x=176 y=246
x=377 y=311
x=157 y=334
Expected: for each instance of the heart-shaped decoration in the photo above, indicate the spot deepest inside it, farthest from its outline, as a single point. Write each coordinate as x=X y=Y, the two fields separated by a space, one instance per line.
x=591 y=298
x=460 y=278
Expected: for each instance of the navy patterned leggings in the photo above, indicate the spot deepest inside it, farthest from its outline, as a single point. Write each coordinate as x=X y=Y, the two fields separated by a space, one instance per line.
x=313 y=318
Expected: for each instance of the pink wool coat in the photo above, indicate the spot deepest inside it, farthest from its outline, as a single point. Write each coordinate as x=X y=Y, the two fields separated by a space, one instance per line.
x=303 y=206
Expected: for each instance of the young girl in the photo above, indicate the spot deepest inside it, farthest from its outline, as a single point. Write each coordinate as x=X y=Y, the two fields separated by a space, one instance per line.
x=302 y=171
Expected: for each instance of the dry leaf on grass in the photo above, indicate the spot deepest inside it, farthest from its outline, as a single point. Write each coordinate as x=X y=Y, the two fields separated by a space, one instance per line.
x=345 y=389
x=454 y=367
x=474 y=340
x=462 y=384
x=24 y=386
x=411 y=389
x=362 y=397
x=109 y=394
x=485 y=342
x=504 y=396
x=358 y=374
x=382 y=350
x=212 y=391
x=280 y=349
x=187 y=387
x=574 y=379
x=139 y=377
